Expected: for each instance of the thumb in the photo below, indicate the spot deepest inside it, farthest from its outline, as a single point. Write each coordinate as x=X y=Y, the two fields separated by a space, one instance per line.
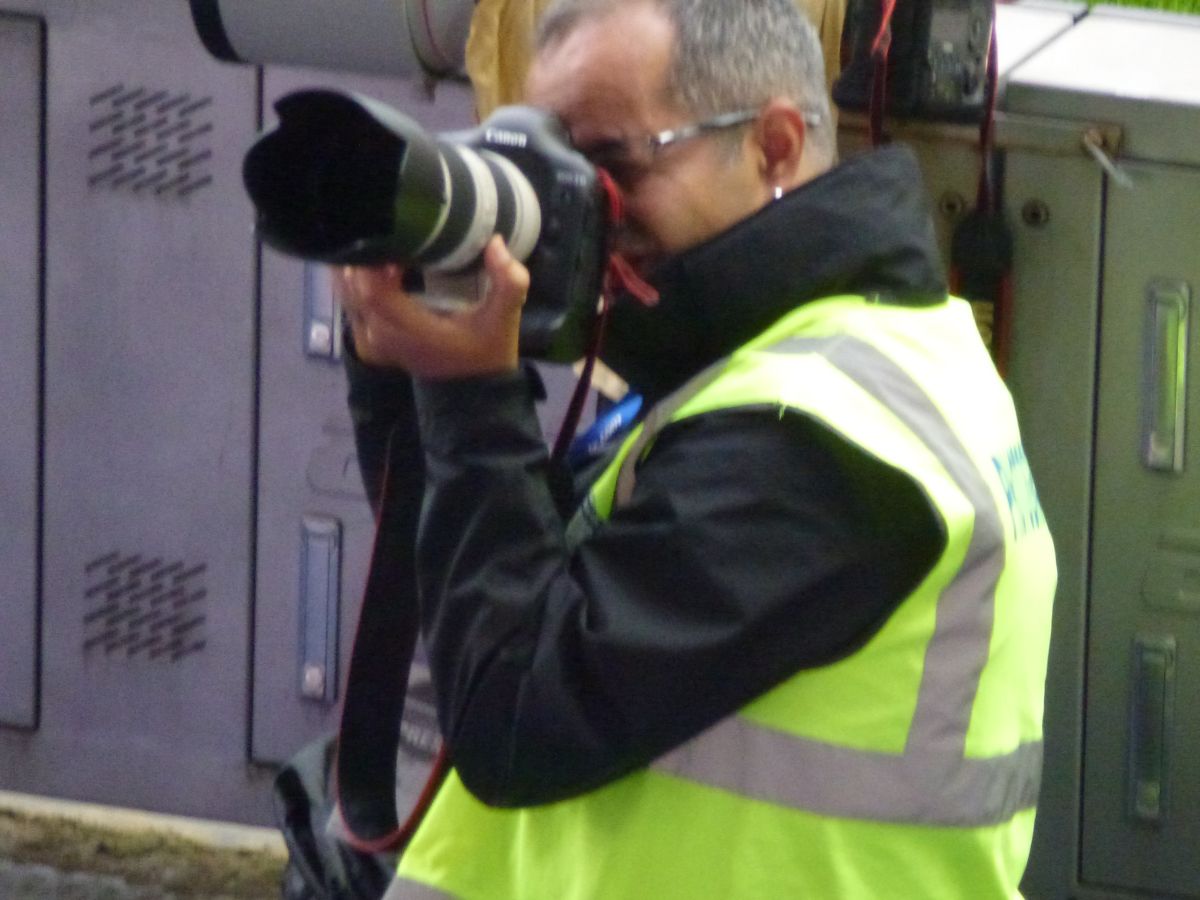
x=507 y=281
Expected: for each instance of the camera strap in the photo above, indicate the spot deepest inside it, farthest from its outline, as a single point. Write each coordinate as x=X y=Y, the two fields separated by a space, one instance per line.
x=371 y=759
x=367 y=766
x=619 y=276
x=987 y=195
x=620 y=280
x=371 y=766
x=879 y=58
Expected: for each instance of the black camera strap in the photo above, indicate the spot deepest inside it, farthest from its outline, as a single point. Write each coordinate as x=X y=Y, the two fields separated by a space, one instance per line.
x=366 y=767
x=367 y=761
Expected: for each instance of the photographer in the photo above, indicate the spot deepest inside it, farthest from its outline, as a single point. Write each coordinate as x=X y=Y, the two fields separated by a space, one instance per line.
x=791 y=641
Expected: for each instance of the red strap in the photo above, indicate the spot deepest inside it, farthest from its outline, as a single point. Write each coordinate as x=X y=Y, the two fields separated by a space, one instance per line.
x=987 y=197
x=883 y=38
x=879 y=53
x=570 y=423
x=1002 y=325
x=612 y=193
x=619 y=276
x=619 y=279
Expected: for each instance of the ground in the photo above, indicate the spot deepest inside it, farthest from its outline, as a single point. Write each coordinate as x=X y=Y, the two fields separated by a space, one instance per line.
x=61 y=859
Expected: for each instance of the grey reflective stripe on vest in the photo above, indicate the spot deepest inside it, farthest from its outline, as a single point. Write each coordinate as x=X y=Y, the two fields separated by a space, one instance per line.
x=931 y=782
x=404 y=889
x=659 y=416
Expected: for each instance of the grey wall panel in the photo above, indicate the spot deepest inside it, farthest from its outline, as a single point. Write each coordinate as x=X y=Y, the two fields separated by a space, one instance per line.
x=1052 y=377
x=307 y=460
x=1146 y=569
x=150 y=327
x=21 y=60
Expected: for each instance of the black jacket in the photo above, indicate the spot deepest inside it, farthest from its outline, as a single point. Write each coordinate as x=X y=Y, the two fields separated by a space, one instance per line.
x=754 y=546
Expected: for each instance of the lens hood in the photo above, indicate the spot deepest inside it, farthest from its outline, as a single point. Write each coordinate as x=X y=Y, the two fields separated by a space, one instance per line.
x=344 y=179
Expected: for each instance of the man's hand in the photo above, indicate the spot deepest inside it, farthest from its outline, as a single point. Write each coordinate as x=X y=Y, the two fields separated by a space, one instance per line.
x=393 y=328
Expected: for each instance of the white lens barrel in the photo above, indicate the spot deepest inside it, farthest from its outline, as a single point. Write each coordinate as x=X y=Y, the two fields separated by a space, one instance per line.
x=482 y=224
x=527 y=212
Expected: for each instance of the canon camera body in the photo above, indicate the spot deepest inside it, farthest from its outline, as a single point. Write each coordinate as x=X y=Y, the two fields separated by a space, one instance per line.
x=346 y=180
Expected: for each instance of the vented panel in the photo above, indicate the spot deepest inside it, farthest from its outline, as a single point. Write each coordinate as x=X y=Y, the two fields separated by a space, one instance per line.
x=155 y=142
x=148 y=458
x=152 y=608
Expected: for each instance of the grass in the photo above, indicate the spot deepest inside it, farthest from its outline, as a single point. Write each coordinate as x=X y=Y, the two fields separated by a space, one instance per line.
x=150 y=859
x=1179 y=6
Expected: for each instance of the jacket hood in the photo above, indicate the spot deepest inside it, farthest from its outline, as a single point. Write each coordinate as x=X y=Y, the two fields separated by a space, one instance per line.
x=863 y=227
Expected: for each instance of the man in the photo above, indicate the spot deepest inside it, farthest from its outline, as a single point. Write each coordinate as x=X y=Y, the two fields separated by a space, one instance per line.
x=792 y=644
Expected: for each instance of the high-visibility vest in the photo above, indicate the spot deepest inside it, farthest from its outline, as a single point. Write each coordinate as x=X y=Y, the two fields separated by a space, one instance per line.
x=909 y=769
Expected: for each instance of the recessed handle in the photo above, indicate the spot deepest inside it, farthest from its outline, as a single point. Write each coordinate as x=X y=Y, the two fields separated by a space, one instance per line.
x=1150 y=712
x=1165 y=381
x=320 y=600
x=322 y=314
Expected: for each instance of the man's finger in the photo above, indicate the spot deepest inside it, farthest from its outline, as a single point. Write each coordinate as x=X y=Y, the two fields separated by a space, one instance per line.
x=507 y=279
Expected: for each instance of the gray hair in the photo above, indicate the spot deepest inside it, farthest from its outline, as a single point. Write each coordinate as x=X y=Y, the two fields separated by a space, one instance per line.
x=729 y=55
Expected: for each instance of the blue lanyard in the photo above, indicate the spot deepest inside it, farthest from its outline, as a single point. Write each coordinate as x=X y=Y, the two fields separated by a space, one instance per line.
x=607 y=427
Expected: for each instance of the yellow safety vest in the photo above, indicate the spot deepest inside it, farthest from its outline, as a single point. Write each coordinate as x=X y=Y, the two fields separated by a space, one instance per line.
x=909 y=769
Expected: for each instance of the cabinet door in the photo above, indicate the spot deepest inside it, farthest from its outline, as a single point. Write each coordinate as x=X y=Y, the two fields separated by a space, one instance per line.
x=149 y=362
x=1142 y=750
x=21 y=59
x=1055 y=205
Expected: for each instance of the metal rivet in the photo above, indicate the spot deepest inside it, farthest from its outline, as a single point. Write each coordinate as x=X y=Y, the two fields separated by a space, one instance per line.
x=952 y=204
x=1035 y=213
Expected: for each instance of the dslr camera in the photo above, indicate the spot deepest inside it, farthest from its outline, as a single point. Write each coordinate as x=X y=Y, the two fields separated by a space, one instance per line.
x=346 y=180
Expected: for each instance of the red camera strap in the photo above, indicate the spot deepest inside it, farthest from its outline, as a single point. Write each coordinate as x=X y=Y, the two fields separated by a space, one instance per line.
x=619 y=279
x=879 y=54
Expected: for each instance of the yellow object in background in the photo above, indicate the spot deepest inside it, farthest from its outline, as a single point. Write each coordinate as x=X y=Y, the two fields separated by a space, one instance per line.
x=828 y=17
x=499 y=48
x=500 y=45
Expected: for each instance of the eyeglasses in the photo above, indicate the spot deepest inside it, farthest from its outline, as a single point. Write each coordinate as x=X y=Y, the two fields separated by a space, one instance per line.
x=625 y=158
x=655 y=143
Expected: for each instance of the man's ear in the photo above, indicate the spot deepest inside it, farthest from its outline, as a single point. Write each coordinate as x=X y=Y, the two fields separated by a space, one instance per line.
x=781 y=135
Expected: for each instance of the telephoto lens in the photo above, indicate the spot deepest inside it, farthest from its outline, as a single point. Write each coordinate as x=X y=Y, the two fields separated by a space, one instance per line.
x=347 y=180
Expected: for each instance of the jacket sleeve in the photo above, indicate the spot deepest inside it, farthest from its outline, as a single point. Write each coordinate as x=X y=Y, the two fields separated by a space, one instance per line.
x=754 y=546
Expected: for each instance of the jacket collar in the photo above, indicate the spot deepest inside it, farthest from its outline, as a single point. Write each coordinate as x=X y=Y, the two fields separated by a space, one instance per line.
x=861 y=228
